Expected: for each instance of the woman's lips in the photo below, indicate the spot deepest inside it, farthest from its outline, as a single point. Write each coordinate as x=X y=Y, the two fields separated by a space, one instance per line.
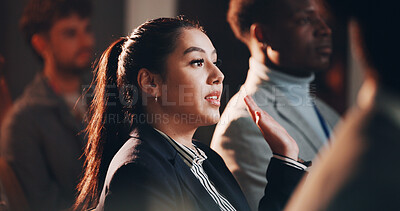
x=213 y=98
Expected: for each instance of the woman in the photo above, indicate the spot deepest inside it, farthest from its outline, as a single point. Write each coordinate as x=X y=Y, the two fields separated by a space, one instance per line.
x=154 y=89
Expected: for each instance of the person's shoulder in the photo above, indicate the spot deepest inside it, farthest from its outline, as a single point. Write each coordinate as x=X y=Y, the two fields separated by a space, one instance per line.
x=20 y=113
x=139 y=162
x=141 y=153
x=26 y=110
x=137 y=151
x=35 y=99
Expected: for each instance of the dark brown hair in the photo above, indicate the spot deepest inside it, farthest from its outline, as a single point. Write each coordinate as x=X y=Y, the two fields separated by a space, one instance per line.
x=117 y=94
x=243 y=13
x=40 y=15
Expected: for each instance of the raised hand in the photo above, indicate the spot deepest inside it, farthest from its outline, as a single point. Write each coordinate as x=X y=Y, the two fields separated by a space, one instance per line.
x=276 y=136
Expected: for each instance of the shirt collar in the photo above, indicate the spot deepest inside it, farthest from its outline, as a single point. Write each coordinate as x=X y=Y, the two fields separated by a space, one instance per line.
x=267 y=74
x=188 y=155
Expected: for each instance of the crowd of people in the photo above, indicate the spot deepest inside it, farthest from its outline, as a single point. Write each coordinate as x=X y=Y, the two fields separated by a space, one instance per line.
x=131 y=146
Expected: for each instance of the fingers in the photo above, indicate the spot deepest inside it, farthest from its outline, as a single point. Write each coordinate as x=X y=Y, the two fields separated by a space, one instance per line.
x=256 y=112
x=252 y=107
x=276 y=136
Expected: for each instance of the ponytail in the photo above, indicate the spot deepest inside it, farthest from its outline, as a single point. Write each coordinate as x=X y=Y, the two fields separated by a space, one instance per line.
x=117 y=100
x=106 y=129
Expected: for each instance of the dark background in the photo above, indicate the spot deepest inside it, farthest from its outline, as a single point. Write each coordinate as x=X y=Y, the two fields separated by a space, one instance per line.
x=108 y=24
x=329 y=86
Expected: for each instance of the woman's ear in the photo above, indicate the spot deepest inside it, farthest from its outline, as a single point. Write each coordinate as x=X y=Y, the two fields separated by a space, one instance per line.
x=149 y=82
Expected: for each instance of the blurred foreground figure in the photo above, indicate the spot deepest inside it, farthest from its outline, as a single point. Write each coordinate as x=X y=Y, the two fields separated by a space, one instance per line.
x=5 y=97
x=5 y=103
x=40 y=137
x=289 y=41
x=361 y=171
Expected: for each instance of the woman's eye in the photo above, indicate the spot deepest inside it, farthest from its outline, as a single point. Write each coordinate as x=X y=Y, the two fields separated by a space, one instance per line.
x=197 y=62
x=218 y=63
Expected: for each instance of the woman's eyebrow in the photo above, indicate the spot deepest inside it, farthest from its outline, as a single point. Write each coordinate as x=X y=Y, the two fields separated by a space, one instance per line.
x=191 y=49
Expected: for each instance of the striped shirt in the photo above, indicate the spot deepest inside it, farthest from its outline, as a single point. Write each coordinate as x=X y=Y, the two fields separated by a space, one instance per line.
x=194 y=159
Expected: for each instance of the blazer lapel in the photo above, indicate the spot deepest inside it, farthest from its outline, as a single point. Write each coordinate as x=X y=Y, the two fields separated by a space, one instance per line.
x=232 y=193
x=194 y=186
x=287 y=112
x=186 y=177
x=292 y=116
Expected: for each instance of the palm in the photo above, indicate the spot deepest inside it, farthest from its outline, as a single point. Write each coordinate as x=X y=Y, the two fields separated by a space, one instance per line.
x=276 y=136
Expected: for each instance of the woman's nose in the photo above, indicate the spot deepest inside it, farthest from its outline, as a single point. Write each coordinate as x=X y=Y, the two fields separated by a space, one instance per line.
x=216 y=76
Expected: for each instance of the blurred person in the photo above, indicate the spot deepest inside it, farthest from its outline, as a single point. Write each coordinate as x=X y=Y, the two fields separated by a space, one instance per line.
x=5 y=97
x=289 y=41
x=41 y=138
x=361 y=170
x=5 y=103
x=154 y=88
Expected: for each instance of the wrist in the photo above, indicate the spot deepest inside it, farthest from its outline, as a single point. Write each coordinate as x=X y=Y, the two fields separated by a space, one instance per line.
x=289 y=153
x=299 y=160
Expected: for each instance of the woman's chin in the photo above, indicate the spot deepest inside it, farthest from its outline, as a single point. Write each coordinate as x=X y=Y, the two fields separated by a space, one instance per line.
x=211 y=119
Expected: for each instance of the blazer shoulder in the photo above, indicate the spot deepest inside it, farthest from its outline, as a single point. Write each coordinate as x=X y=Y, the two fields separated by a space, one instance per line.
x=139 y=152
x=138 y=173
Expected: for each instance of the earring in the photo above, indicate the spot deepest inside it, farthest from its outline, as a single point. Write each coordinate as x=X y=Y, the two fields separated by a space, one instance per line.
x=155 y=98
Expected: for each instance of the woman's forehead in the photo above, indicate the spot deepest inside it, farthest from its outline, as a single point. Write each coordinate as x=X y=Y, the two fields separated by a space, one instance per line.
x=194 y=39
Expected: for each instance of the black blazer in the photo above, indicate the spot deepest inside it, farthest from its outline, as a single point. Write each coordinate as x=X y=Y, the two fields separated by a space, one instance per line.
x=148 y=174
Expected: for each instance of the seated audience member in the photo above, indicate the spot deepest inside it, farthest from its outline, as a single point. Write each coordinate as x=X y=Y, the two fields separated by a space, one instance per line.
x=288 y=41
x=361 y=170
x=161 y=83
x=40 y=137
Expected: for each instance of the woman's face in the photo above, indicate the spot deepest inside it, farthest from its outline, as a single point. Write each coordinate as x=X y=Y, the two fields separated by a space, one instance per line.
x=193 y=83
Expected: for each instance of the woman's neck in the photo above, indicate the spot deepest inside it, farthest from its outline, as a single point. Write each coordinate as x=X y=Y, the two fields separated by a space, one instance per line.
x=181 y=133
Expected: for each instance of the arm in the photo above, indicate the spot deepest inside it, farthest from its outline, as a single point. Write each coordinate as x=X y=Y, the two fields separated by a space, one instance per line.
x=282 y=178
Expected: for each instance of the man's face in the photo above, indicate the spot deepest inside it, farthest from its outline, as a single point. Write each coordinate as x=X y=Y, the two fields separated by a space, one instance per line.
x=299 y=37
x=70 y=45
